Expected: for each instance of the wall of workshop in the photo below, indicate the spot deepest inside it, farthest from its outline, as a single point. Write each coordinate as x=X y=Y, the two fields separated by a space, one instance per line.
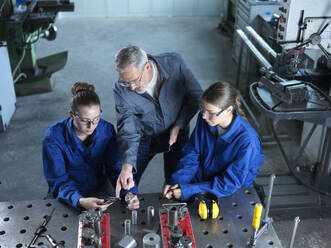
x=144 y=8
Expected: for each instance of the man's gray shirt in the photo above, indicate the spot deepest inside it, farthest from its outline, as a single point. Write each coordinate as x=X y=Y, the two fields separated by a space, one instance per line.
x=140 y=115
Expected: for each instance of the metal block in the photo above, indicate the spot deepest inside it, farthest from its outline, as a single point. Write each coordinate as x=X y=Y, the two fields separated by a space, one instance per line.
x=127 y=242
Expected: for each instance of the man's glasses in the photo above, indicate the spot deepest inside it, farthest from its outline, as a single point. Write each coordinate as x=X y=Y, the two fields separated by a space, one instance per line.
x=133 y=82
x=203 y=111
x=88 y=121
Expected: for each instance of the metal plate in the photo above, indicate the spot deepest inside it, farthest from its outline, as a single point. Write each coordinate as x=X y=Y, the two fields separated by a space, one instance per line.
x=232 y=229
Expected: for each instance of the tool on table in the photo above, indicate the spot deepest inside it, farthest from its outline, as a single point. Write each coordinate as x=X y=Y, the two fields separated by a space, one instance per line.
x=52 y=241
x=94 y=229
x=41 y=228
x=176 y=228
x=266 y=221
x=256 y=224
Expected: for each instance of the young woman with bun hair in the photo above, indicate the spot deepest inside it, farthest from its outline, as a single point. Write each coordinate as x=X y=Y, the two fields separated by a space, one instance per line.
x=80 y=154
x=224 y=151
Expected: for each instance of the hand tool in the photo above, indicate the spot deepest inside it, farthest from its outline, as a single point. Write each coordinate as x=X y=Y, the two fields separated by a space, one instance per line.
x=256 y=224
x=41 y=228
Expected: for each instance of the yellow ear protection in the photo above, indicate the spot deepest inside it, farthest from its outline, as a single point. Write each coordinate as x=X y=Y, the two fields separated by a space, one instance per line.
x=207 y=208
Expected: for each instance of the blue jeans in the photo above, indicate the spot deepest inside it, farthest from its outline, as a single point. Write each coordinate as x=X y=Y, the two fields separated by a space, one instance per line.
x=170 y=158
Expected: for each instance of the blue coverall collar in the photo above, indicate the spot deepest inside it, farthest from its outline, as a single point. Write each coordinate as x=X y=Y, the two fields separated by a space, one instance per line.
x=229 y=135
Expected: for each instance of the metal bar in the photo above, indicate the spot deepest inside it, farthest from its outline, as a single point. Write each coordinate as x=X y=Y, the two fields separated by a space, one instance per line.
x=296 y=222
x=262 y=60
x=261 y=42
x=271 y=185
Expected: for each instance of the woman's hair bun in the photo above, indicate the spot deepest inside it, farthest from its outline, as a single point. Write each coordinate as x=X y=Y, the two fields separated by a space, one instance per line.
x=81 y=86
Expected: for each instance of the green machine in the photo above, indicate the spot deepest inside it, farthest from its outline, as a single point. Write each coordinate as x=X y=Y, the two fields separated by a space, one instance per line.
x=22 y=24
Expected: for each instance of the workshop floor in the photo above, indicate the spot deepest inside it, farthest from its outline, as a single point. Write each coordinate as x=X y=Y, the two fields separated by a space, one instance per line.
x=92 y=44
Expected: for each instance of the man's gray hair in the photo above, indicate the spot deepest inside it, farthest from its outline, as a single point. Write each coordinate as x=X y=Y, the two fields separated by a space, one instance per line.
x=130 y=55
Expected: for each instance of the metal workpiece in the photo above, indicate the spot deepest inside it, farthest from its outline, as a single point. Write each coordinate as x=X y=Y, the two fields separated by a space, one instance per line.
x=88 y=218
x=174 y=235
x=134 y=217
x=151 y=240
x=127 y=227
x=89 y=236
x=296 y=222
x=128 y=199
x=150 y=215
x=127 y=242
x=172 y=217
x=99 y=212
x=186 y=242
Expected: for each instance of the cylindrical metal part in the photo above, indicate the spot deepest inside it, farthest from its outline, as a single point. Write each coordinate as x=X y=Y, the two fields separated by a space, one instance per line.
x=97 y=227
x=134 y=217
x=296 y=222
x=150 y=214
x=151 y=240
x=172 y=217
x=262 y=60
x=271 y=185
x=186 y=242
x=261 y=41
x=174 y=235
x=127 y=227
x=98 y=242
x=99 y=212
x=88 y=236
x=128 y=199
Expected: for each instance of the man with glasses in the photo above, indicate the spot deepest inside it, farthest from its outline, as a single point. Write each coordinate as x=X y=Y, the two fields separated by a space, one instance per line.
x=155 y=97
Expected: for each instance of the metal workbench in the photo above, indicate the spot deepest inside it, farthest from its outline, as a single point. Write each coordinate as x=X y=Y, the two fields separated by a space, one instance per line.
x=18 y=221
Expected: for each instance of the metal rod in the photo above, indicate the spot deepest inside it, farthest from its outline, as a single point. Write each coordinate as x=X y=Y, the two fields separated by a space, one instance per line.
x=261 y=42
x=150 y=214
x=296 y=222
x=271 y=185
x=134 y=217
x=262 y=60
x=127 y=227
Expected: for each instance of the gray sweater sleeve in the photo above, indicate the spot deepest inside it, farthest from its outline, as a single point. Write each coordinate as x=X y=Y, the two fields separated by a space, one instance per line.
x=129 y=132
x=192 y=97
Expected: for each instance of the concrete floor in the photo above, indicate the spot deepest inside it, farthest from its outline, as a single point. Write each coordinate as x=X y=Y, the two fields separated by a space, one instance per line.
x=92 y=44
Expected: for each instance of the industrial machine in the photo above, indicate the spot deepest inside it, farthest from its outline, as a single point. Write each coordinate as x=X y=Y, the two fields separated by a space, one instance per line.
x=22 y=24
x=287 y=90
